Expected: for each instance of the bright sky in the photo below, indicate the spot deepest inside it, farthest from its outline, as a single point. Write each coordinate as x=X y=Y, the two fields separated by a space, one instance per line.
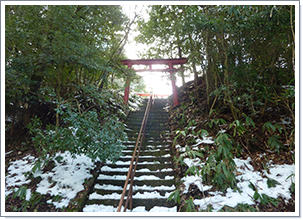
x=155 y=81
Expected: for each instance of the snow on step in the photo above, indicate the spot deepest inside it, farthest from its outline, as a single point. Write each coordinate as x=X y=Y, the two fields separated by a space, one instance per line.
x=138 y=195
x=125 y=169
x=106 y=208
x=140 y=178
x=108 y=187
x=131 y=151
x=135 y=187
x=146 y=156
x=119 y=162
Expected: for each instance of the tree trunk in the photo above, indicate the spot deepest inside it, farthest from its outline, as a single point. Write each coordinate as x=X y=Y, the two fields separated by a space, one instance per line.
x=196 y=79
x=182 y=71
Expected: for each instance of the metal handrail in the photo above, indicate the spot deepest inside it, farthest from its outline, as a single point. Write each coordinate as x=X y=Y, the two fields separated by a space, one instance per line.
x=132 y=167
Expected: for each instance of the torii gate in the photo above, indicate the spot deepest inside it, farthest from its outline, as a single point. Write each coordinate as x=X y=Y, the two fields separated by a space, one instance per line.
x=150 y=62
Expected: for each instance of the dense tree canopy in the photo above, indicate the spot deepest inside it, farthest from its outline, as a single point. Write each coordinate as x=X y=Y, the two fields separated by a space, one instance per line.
x=245 y=53
x=61 y=62
x=243 y=62
x=58 y=45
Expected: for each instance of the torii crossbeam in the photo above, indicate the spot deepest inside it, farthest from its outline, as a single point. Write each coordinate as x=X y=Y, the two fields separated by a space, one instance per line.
x=150 y=62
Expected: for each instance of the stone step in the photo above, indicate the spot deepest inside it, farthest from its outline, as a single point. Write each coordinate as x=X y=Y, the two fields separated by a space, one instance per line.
x=149 y=135
x=149 y=146
x=152 y=183
x=155 y=178
x=150 y=121
x=151 y=167
x=147 y=203
x=134 y=135
x=140 y=176
x=147 y=139
x=156 y=141
x=136 y=189
x=155 y=160
x=159 y=112
x=139 y=117
x=147 y=152
x=149 y=127
x=119 y=170
x=107 y=188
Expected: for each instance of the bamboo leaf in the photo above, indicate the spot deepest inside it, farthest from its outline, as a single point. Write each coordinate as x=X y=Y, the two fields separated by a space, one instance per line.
x=272 y=183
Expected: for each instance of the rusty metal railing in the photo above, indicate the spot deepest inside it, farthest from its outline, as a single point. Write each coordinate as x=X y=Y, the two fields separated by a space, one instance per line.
x=132 y=166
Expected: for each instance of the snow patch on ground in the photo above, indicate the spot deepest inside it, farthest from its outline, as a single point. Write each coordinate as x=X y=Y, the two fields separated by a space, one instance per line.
x=16 y=174
x=9 y=152
x=246 y=174
x=65 y=179
x=196 y=180
x=68 y=178
x=192 y=162
x=206 y=140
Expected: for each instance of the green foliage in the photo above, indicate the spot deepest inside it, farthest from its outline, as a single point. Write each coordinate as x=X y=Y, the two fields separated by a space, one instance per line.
x=21 y=193
x=202 y=133
x=274 y=142
x=272 y=183
x=292 y=187
x=30 y=205
x=38 y=164
x=246 y=52
x=179 y=160
x=82 y=136
x=239 y=208
x=89 y=128
x=220 y=166
x=272 y=128
x=190 y=206
x=216 y=121
x=192 y=170
x=224 y=143
x=179 y=133
x=184 y=133
x=249 y=121
x=59 y=48
x=263 y=198
x=182 y=115
x=175 y=195
x=57 y=198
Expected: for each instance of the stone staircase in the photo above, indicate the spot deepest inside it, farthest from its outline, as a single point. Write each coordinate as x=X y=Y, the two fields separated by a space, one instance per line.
x=154 y=179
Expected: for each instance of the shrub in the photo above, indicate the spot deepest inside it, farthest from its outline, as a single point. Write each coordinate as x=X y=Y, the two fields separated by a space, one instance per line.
x=80 y=129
